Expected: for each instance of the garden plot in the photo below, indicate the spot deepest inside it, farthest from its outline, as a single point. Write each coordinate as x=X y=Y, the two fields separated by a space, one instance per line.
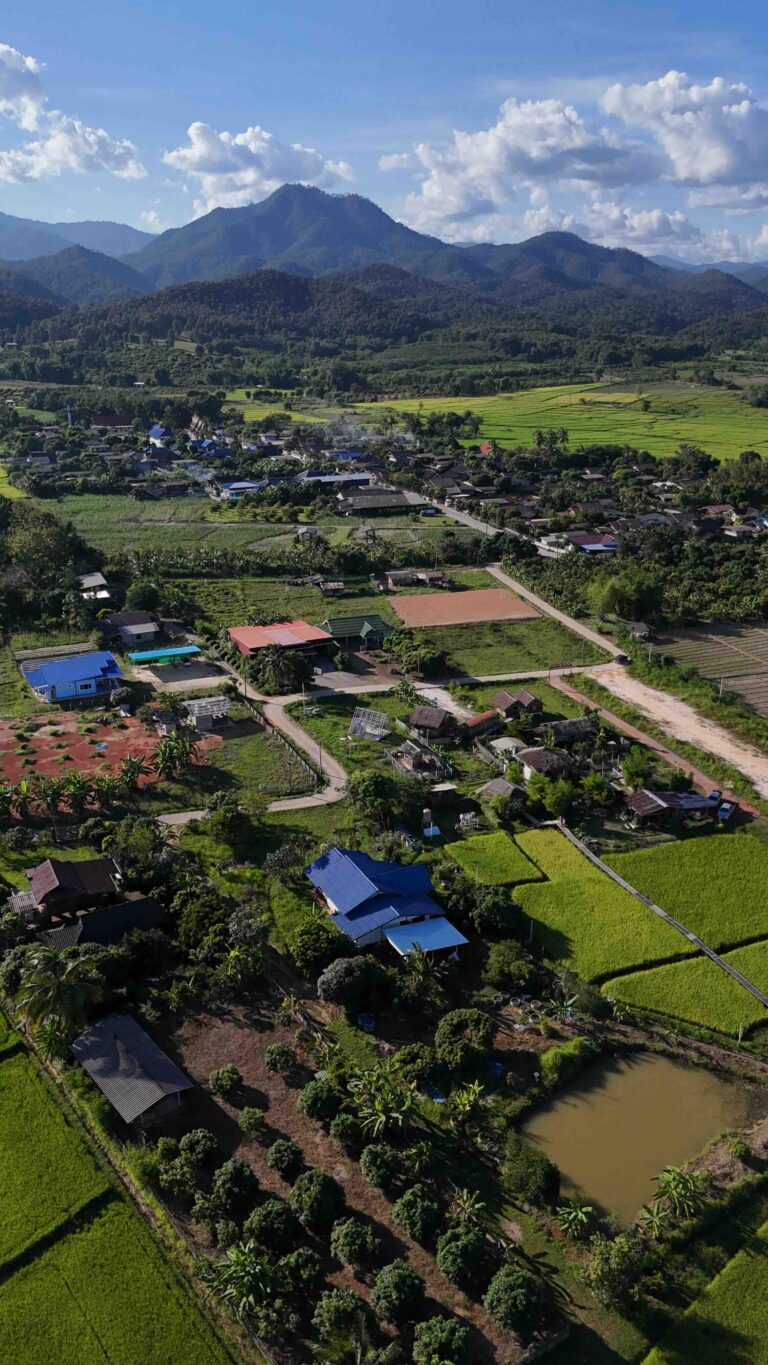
x=462 y=608
x=495 y=859
x=736 y=654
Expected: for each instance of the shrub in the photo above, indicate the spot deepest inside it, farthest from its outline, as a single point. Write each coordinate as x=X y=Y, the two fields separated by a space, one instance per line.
x=506 y=968
x=614 y=1267
x=316 y=1198
x=414 y=1062
x=300 y=1271
x=346 y=1131
x=514 y=1298
x=251 y=1120
x=529 y=1174
x=320 y=1100
x=273 y=1225
x=353 y=1242
x=418 y=1214
x=234 y=1187
x=199 y=1145
x=461 y=1256
x=380 y=1164
x=559 y=1064
x=337 y=1311
x=398 y=1292
x=738 y=1148
x=226 y=1081
x=316 y=944
x=204 y=1212
x=461 y=1036
x=280 y=1057
x=351 y=982
x=285 y=1158
x=178 y=1177
x=167 y=1148
x=441 y=1339
x=226 y=1232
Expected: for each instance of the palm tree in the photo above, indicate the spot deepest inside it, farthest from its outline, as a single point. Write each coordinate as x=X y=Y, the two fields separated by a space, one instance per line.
x=420 y=1156
x=166 y=759
x=682 y=1191
x=106 y=789
x=132 y=769
x=23 y=793
x=382 y=1103
x=464 y=1103
x=53 y=1038
x=49 y=792
x=425 y=975
x=574 y=1218
x=60 y=986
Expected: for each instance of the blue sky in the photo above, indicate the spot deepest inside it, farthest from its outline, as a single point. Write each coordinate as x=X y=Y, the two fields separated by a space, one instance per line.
x=634 y=124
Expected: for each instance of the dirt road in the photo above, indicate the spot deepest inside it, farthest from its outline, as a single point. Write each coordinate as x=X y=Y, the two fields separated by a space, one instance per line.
x=681 y=722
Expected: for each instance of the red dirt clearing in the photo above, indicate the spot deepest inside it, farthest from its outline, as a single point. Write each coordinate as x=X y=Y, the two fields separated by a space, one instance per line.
x=68 y=750
x=462 y=608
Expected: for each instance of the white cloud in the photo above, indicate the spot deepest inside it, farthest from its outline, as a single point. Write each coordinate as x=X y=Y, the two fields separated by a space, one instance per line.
x=532 y=141
x=21 y=89
x=152 y=220
x=395 y=161
x=616 y=225
x=64 y=144
x=714 y=134
x=233 y=169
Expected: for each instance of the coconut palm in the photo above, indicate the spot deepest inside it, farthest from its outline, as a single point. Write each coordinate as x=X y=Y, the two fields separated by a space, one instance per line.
x=574 y=1218
x=53 y=1038
x=52 y=984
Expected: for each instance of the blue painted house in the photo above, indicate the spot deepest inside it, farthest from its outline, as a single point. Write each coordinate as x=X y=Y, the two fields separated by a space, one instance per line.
x=81 y=675
x=367 y=898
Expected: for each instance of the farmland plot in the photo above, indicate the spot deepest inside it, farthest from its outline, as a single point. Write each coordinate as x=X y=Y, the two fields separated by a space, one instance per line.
x=495 y=859
x=736 y=654
x=700 y=992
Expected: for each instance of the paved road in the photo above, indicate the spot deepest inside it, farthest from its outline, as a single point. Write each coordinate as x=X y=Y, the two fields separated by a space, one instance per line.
x=669 y=919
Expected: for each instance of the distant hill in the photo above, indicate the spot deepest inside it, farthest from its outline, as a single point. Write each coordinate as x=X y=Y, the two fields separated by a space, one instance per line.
x=751 y=272
x=18 y=281
x=113 y=239
x=77 y=275
x=24 y=239
x=17 y=311
x=21 y=239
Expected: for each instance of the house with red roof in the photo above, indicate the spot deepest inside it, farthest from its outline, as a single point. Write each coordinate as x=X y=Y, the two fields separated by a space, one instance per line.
x=297 y=636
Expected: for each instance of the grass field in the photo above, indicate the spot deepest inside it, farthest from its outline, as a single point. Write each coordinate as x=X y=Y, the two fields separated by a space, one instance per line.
x=729 y=1321
x=254 y=765
x=495 y=859
x=716 y=419
x=15 y=697
x=583 y=919
x=715 y=885
x=84 y=1282
x=700 y=992
x=488 y=648
x=7 y=489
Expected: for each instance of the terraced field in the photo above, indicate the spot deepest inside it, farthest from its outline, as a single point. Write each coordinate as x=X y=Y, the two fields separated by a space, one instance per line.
x=736 y=654
x=698 y=991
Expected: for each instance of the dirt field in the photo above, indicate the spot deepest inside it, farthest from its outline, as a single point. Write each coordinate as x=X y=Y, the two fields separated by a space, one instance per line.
x=462 y=608
x=58 y=746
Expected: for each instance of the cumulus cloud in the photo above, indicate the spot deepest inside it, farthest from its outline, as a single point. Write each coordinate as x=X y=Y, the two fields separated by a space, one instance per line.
x=617 y=225
x=63 y=143
x=395 y=161
x=531 y=141
x=21 y=88
x=152 y=220
x=715 y=134
x=233 y=169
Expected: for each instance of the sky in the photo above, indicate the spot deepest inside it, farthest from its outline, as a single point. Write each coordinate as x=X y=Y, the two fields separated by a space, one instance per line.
x=640 y=125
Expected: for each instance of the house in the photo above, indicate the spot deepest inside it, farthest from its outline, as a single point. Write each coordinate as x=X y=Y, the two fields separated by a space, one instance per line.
x=567 y=732
x=368 y=898
x=106 y=925
x=297 y=636
x=506 y=749
x=588 y=543
x=131 y=628
x=76 y=677
x=134 y=1074
x=416 y=578
x=430 y=722
x=516 y=703
x=649 y=807
x=486 y=723
x=158 y=435
x=94 y=587
x=547 y=762
x=231 y=490
x=499 y=786
x=64 y=887
x=357 y=632
x=362 y=505
x=112 y=421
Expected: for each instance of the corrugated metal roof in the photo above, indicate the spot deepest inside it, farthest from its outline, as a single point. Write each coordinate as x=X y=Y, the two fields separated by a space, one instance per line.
x=431 y=936
x=77 y=668
x=349 y=879
x=127 y=1065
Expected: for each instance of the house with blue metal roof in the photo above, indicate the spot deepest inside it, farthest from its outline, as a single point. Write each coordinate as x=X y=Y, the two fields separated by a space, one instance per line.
x=367 y=897
x=74 y=678
x=158 y=435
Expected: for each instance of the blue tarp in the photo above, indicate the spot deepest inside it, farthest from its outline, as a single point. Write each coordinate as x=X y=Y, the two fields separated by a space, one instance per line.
x=431 y=935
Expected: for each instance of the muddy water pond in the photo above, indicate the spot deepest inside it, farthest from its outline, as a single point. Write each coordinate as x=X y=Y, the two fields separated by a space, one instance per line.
x=615 y=1128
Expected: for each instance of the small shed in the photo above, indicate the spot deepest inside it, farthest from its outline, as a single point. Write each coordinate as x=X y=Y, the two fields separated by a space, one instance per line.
x=207 y=712
x=432 y=722
x=136 y=1076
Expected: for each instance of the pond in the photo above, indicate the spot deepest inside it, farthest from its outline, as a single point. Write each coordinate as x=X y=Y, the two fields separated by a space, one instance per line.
x=615 y=1128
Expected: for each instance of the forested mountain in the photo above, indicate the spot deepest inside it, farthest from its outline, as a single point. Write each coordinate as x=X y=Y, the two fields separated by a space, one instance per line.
x=751 y=272
x=18 y=280
x=23 y=239
x=18 y=311
x=77 y=275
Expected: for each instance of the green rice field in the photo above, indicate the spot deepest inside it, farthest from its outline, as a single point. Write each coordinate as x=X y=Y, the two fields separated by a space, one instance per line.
x=729 y=1321
x=714 y=884
x=716 y=419
x=699 y=992
x=82 y=1279
x=7 y=489
x=495 y=859
x=583 y=919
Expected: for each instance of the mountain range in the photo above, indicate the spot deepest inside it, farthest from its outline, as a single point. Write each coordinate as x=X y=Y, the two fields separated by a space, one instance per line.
x=304 y=232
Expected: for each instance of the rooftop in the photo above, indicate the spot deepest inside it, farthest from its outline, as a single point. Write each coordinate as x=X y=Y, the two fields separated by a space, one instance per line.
x=284 y=634
x=128 y=1066
x=76 y=668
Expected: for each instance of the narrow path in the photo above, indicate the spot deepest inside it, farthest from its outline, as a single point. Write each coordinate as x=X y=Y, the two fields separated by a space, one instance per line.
x=669 y=919
x=701 y=779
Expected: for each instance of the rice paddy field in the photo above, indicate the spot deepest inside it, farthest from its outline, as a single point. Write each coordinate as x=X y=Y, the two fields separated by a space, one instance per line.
x=736 y=654
x=82 y=1279
x=699 y=992
x=718 y=420
x=729 y=1320
x=495 y=859
x=584 y=920
x=7 y=489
